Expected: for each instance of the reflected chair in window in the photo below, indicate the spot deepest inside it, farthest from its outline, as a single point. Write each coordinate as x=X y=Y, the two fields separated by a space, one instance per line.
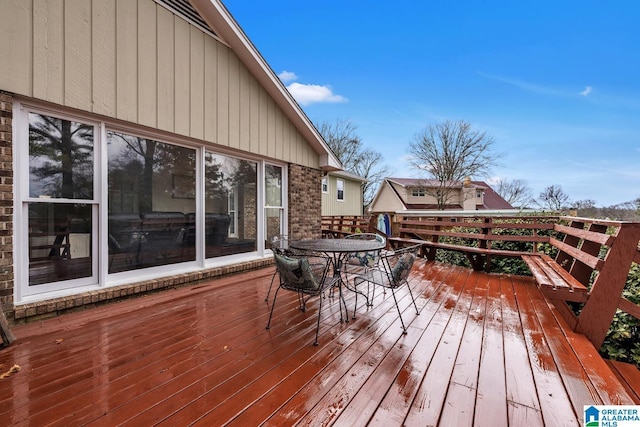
x=297 y=275
x=392 y=272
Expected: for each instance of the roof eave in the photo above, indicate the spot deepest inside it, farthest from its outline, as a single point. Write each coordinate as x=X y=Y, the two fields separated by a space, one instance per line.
x=220 y=20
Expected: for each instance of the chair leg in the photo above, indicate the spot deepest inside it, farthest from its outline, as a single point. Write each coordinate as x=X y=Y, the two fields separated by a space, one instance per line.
x=318 y=322
x=271 y=285
x=404 y=328
x=413 y=299
x=275 y=295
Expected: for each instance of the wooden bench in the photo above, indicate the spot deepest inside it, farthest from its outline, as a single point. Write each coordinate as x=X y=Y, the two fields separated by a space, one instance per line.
x=475 y=236
x=335 y=227
x=578 y=256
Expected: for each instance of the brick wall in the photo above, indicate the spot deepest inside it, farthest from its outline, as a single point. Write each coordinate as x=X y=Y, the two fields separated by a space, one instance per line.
x=304 y=202
x=6 y=204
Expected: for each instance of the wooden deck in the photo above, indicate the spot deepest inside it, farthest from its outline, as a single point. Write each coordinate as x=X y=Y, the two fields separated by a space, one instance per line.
x=485 y=350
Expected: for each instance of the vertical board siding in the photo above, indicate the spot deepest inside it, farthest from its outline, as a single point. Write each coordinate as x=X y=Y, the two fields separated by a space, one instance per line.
x=352 y=204
x=233 y=106
x=77 y=54
x=16 y=49
x=147 y=64
x=182 y=76
x=103 y=65
x=210 y=89
x=254 y=115
x=223 y=96
x=136 y=61
x=196 y=81
x=48 y=51
x=245 y=116
x=127 y=57
x=166 y=72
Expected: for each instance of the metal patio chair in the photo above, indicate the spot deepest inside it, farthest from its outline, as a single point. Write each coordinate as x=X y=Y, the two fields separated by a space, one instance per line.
x=355 y=262
x=392 y=272
x=279 y=245
x=298 y=275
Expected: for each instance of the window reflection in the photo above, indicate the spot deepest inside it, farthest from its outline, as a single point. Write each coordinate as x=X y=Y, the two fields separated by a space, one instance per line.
x=59 y=242
x=151 y=202
x=273 y=201
x=230 y=205
x=60 y=158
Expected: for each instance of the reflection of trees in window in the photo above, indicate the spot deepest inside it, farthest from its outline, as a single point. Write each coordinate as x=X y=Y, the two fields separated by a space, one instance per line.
x=60 y=158
x=215 y=190
x=134 y=161
x=273 y=180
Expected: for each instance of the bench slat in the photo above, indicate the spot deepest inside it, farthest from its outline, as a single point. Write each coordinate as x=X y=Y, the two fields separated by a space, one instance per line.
x=592 y=236
x=590 y=260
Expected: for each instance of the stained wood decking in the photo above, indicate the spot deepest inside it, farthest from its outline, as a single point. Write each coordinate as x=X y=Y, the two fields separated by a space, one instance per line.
x=485 y=350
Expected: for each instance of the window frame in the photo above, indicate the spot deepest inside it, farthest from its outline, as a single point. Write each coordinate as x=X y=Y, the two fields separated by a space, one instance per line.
x=340 y=192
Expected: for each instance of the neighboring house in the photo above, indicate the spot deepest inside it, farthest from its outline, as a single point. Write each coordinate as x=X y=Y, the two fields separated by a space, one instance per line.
x=409 y=194
x=342 y=194
x=145 y=144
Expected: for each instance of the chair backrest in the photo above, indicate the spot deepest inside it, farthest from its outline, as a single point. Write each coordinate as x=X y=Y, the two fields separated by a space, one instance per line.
x=296 y=273
x=280 y=244
x=400 y=263
x=365 y=258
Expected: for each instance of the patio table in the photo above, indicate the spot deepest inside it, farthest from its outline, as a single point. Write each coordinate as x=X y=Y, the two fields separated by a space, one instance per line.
x=337 y=250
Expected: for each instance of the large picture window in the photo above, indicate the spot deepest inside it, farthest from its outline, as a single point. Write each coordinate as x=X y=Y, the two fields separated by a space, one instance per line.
x=152 y=190
x=230 y=205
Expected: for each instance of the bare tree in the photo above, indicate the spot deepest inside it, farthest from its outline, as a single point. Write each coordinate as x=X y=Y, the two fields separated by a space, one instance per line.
x=515 y=191
x=553 y=198
x=349 y=149
x=448 y=152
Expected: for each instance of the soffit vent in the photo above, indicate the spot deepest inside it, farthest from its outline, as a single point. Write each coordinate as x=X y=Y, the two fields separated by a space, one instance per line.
x=184 y=9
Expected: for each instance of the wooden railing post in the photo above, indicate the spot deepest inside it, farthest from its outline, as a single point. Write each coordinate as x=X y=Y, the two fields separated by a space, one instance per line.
x=598 y=312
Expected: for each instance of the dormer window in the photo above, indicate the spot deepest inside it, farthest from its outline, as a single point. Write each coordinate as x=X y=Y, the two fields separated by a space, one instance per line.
x=418 y=192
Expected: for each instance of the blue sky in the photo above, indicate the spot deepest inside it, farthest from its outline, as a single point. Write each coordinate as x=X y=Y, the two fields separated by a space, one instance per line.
x=556 y=83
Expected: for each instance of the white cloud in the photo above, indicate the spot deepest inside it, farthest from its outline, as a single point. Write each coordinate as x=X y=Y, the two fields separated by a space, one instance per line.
x=307 y=94
x=586 y=91
x=287 y=76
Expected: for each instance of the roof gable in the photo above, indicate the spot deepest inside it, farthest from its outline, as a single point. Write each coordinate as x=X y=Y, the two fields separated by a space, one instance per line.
x=218 y=18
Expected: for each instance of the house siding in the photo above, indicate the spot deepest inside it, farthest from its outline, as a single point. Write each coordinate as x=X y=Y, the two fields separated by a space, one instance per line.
x=109 y=57
x=353 y=197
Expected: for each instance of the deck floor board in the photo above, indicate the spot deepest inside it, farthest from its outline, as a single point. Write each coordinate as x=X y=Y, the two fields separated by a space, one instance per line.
x=485 y=349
